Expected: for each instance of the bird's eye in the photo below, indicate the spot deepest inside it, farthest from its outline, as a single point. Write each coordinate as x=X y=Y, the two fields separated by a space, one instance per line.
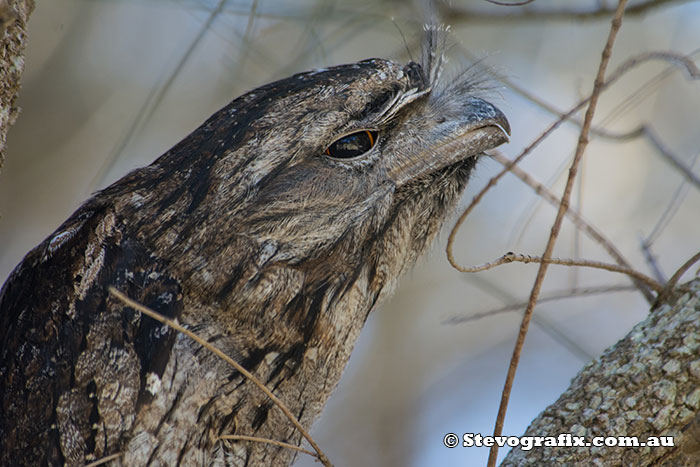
x=352 y=145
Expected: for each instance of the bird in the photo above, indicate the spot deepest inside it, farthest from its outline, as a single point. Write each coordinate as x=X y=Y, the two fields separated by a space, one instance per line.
x=271 y=231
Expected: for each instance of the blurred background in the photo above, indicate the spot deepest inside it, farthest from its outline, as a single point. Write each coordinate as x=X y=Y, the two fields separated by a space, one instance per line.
x=109 y=85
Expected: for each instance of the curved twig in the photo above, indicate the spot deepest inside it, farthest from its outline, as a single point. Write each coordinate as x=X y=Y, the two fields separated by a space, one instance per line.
x=255 y=439
x=104 y=460
x=511 y=257
x=524 y=2
x=456 y=14
x=158 y=317
x=679 y=60
x=573 y=215
x=676 y=277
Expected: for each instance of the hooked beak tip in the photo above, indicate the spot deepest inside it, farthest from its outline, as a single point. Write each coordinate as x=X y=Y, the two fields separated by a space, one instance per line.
x=505 y=129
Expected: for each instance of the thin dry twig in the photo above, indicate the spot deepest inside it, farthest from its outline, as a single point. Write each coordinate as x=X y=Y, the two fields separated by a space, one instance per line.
x=583 y=225
x=682 y=270
x=647 y=88
x=571 y=293
x=104 y=460
x=681 y=61
x=157 y=316
x=571 y=213
x=456 y=14
x=580 y=148
x=525 y=2
x=672 y=158
x=595 y=130
x=668 y=213
x=154 y=99
x=511 y=257
x=688 y=66
x=671 y=209
x=671 y=284
x=651 y=261
x=644 y=130
x=553 y=330
x=255 y=439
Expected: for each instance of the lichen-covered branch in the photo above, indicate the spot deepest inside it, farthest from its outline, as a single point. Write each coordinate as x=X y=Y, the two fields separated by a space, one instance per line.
x=13 y=30
x=648 y=384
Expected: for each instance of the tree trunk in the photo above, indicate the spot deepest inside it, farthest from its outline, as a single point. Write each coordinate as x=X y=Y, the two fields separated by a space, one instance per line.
x=13 y=27
x=648 y=384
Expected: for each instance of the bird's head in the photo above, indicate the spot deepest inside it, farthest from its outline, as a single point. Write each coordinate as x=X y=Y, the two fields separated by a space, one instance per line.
x=337 y=169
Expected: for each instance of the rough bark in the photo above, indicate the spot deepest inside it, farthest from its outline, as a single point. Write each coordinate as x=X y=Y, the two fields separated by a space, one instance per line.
x=647 y=384
x=13 y=27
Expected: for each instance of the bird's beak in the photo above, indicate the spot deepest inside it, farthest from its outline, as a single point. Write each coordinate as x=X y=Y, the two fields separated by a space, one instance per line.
x=477 y=127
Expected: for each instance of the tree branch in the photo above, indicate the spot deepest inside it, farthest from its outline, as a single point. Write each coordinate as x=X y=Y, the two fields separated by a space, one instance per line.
x=645 y=385
x=458 y=14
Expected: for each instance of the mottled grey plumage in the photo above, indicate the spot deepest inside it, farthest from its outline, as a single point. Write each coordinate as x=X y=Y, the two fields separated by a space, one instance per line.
x=249 y=235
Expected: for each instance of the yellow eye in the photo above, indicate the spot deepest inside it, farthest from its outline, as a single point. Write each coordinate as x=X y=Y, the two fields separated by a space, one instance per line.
x=352 y=145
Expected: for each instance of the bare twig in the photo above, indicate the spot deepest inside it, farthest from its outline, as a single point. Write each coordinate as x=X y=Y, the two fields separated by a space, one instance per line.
x=104 y=460
x=571 y=213
x=687 y=65
x=571 y=293
x=255 y=439
x=157 y=316
x=511 y=257
x=245 y=45
x=651 y=261
x=645 y=89
x=670 y=210
x=595 y=130
x=525 y=2
x=551 y=329
x=672 y=158
x=681 y=61
x=580 y=148
x=671 y=284
x=153 y=100
x=682 y=270
x=456 y=14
